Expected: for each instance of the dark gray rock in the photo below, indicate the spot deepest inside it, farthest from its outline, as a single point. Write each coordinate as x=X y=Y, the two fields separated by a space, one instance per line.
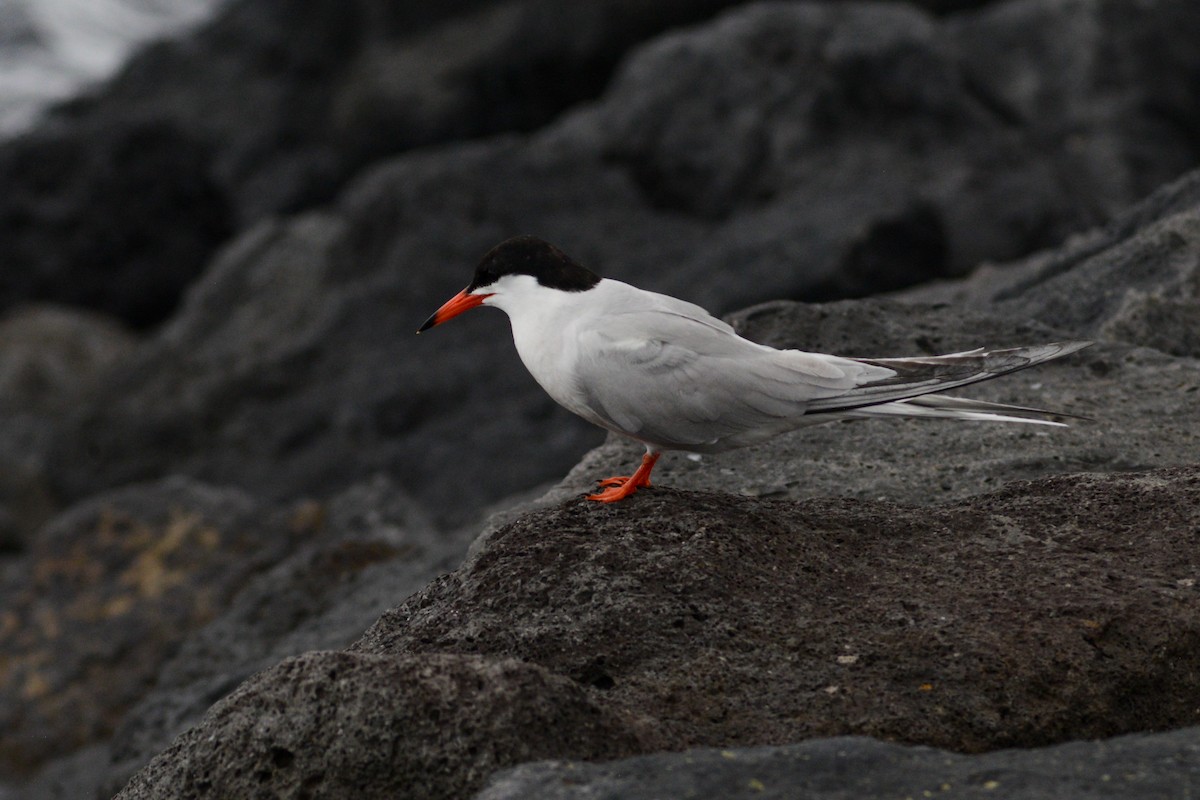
x=50 y=357
x=1050 y=610
x=375 y=549
x=50 y=361
x=89 y=219
x=846 y=137
x=335 y=725
x=1126 y=768
x=72 y=777
x=104 y=594
x=120 y=198
x=1136 y=280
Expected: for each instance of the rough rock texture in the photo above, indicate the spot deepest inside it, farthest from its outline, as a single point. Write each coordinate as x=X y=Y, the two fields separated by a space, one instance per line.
x=1054 y=609
x=1050 y=610
x=1137 y=280
x=105 y=593
x=1127 y=768
x=118 y=201
x=375 y=548
x=50 y=361
x=139 y=610
x=334 y=725
x=760 y=156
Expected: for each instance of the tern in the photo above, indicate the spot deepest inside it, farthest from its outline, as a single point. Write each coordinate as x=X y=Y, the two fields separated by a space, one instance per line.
x=671 y=376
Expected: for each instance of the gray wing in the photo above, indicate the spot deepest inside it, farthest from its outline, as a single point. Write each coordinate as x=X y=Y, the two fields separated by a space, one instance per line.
x=677 y=379
x=673 y=376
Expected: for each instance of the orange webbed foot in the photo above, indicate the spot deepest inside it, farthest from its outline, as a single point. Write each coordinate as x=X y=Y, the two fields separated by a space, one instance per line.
x=618 y=480
x=621 y=486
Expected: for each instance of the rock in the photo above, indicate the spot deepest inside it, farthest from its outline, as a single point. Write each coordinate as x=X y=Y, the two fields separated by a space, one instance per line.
x=50 y=357
x=1050 y=610
x=118 y=200
x=882 y=144
x=224 y=587
x=328 y=725
x=50 y=361
x=66 y=778
x=105 y=594
x=375 y=548
x=132 y=261
x=1129 y=767
x=1136 y=280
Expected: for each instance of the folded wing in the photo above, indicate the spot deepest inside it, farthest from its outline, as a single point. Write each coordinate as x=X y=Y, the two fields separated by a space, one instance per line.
x=677 y=378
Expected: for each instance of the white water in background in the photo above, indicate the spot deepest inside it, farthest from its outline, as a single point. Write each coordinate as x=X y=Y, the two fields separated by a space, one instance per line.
x=51 y=49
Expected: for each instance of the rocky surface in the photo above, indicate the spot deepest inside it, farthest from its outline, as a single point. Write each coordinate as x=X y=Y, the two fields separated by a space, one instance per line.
x=1126 y=768
x=104 y=595
x=50 y=361
x=374 y=547
x=118 y=201
x=1050 y=610
x=996 y=586
x=426 y=726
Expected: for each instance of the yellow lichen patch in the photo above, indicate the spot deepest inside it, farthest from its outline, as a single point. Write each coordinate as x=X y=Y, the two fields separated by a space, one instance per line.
x=150 y=574
x=78 y=566
x=756 y=785
x=209 y=538
x=47 y=623
x=308 y=515
x=36 y=686
x=121 y=604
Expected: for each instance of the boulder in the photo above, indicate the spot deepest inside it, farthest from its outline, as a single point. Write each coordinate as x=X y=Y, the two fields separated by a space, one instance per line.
x=375 y=548
x=330 y=725
x=117 y=201
x=1050 y=610
x=104 y=594
x=51 y=359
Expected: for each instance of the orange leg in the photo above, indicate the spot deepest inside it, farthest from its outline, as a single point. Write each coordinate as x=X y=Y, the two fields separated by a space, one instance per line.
x=623 y=486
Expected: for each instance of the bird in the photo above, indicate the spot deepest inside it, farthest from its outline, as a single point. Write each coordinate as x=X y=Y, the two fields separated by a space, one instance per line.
x=666 y=373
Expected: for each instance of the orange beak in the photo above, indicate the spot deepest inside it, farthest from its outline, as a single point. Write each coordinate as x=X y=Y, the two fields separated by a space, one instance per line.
x=454 y=306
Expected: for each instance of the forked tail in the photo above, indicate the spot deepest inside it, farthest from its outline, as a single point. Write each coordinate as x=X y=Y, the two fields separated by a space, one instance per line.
x=914 y=390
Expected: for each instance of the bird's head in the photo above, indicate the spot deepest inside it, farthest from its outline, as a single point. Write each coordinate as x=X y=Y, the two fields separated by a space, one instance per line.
x=516 y=268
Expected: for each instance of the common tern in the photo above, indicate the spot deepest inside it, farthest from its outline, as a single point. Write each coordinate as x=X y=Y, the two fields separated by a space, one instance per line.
x=668 y=374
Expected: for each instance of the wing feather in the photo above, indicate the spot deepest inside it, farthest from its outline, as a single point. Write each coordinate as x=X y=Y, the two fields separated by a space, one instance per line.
x=678 y=381
x=665 y=372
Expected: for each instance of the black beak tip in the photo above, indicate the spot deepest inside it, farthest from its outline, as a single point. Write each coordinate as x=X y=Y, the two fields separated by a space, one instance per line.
x=429 y=323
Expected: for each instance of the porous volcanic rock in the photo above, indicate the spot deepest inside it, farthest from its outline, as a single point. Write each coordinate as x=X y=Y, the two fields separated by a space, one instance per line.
x=1137 y=767
x=375 y=548
x=104 y=594
x=334 y=725
x=1050 y=610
